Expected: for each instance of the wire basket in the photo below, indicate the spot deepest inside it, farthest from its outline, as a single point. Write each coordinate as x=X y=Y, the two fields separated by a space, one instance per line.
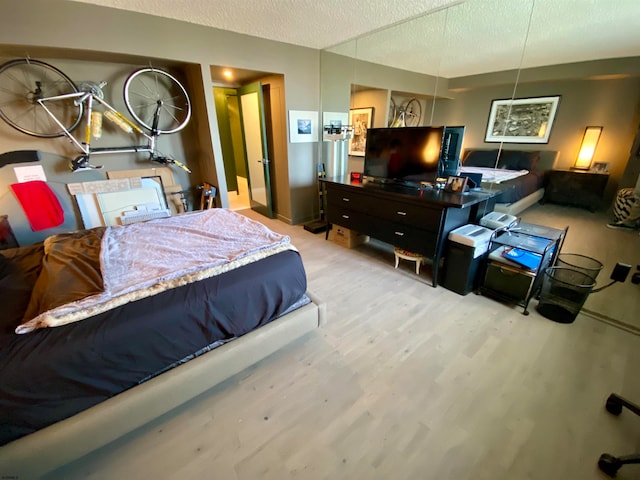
x=563 y=293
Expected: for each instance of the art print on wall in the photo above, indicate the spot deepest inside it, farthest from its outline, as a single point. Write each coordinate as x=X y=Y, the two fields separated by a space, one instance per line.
x=303 y=126
x=361 y=120
x=522 y=120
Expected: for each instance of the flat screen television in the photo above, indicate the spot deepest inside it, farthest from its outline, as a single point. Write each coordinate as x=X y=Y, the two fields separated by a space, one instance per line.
x=404 y=155
x=450 y=153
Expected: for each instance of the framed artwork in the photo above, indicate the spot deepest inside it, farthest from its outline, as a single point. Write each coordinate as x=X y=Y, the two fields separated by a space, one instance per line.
x=455 y=184
x=361 y=120
x=303 y=126
x=600 y=167
x=521 y=120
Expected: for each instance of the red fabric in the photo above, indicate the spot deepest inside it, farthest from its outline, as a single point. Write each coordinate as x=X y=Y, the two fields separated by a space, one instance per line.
x=39 y=203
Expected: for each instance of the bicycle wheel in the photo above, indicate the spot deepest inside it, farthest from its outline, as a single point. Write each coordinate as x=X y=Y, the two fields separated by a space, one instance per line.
x=22 y=83
x=392 y=112
x=157 y=101
x=413 y=113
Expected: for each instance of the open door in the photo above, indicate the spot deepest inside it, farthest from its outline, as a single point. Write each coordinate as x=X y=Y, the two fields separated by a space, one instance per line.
x=255 y=144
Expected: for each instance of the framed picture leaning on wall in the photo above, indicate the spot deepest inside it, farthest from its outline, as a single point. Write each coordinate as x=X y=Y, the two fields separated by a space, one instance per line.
x=522 y=120
x=455 y=184
x=361 y=119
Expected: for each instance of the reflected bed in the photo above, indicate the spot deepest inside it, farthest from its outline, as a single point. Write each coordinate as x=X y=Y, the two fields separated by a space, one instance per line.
x=516 y=194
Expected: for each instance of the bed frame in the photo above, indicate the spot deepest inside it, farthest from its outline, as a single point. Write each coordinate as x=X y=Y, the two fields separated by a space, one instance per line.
x=516 y=207
x=547 y=161
x=74 y=437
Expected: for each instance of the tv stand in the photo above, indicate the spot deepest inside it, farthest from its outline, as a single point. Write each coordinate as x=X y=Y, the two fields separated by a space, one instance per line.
x=414 y=219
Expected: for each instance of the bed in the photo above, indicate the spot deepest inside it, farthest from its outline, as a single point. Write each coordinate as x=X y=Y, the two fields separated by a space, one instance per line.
x=521 y=192
x=103 y=351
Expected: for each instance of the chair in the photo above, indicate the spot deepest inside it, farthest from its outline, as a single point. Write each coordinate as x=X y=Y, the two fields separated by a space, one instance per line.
x=208 y=197
x=608 y=463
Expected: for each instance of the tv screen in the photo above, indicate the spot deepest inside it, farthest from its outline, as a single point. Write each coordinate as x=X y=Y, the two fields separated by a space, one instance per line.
x=408 y=154
x=450 y=154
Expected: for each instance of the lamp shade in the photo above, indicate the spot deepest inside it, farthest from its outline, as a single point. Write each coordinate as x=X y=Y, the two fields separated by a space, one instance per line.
x=587 y=147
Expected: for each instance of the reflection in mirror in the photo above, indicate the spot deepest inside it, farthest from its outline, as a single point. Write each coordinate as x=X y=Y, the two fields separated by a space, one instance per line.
x=494 y=50
x=405 y=72
x=383 y=76
x=521 y=76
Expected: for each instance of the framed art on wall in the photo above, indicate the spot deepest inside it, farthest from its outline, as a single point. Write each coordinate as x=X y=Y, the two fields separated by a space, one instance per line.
x=303 y=126
x=522 y=120
x=361 y=120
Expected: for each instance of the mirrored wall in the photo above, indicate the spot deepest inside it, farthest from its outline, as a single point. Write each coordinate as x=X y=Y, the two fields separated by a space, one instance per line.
x=486 y=65
x=457 y=62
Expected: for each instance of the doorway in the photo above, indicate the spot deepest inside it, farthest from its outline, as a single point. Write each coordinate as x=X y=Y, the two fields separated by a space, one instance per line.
x=249 y=185
x=231 y=143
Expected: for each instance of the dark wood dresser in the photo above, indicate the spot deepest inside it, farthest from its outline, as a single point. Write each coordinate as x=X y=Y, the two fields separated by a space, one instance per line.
x=410 y=218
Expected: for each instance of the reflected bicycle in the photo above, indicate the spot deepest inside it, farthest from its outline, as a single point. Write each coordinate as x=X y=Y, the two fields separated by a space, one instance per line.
x=40 y=100
x=408 y=114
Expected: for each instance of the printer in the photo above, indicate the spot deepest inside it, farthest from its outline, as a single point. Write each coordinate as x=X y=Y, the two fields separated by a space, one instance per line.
x=496 y=220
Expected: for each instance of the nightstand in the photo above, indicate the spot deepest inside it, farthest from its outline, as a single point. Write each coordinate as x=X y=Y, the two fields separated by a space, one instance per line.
x=575 y=187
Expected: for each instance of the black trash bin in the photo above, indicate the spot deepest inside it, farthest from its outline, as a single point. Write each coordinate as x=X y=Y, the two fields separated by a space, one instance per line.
x=582 y=263
x=563 y=293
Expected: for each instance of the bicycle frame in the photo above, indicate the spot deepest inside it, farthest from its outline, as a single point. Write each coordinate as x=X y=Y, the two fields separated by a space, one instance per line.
x=85 y=147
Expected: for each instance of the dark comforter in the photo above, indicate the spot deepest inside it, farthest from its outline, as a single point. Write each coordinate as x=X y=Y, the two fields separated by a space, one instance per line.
x=52 y=373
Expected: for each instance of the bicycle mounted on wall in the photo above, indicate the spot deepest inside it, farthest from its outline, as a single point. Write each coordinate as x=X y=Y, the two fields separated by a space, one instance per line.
x=408 y=114
x=40 y=100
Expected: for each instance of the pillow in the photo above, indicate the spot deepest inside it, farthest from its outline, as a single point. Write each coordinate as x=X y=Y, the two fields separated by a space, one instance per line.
x=519 y=160
x=19 y=270
x=70 y=271
x=481 y=158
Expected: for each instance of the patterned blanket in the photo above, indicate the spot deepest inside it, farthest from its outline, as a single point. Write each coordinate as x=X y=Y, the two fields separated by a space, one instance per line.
x=143 y=259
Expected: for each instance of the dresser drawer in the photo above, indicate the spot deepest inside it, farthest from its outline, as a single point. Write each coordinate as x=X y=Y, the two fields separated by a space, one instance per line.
x=404 y=236
x=351 y=219
x=351 y=199
x=410 y=214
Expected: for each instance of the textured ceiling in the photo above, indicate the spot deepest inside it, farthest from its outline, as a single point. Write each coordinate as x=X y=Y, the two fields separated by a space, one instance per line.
x=470 y=37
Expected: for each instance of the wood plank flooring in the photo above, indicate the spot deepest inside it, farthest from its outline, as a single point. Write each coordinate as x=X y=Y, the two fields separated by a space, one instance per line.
x=408 y=382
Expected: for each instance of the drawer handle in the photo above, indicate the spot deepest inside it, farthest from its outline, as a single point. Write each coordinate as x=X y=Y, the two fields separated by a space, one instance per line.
x=346 y=199
x=345 y=216
x=400 y=234
x=404 y=214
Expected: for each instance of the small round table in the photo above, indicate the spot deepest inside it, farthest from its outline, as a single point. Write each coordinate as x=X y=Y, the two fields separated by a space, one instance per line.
x=407 y=255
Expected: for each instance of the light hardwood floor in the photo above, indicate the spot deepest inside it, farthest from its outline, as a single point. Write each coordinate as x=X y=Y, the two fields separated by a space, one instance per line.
x=239 y=199
x=405 y=382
